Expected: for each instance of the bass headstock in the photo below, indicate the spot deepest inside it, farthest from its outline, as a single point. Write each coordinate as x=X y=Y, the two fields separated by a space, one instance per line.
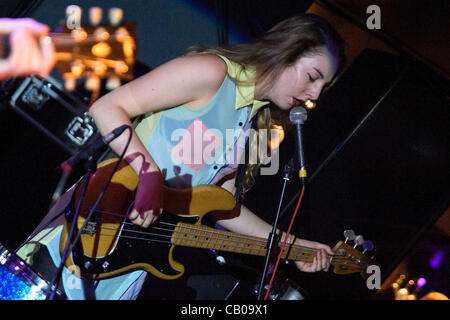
x=349 y=259
x=95 y=50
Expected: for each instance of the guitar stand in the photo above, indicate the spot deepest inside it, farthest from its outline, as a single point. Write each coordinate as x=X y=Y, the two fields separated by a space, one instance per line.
x=273 y=236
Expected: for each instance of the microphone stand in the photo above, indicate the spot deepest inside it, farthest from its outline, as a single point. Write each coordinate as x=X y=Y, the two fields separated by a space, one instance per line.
x=273 y=236
x=91 y=167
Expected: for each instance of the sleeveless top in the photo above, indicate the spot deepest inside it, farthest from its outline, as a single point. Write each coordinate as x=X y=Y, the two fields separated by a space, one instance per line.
x=192 y=147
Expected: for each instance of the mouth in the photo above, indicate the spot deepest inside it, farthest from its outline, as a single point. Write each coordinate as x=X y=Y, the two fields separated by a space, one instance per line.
x=297 y=102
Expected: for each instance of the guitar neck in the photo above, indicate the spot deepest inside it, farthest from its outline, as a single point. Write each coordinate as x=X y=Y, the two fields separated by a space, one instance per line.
x=200 y=236
x=5 y=47
x=60 y=41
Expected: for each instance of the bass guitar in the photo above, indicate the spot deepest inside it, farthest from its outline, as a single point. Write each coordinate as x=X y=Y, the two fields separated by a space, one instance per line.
x=111 y=245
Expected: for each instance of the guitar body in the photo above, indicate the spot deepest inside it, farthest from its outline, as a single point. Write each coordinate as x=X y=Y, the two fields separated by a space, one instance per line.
x=110 y=245
x=132 y=251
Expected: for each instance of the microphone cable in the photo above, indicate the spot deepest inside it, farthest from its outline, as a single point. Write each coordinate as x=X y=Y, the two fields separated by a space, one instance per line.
x=284 y=242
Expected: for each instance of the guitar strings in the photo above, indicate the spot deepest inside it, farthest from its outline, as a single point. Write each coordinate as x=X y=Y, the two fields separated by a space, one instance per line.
x=217 y=232
x=57 y=35
x=81 y=56
x=262 y=243
x=351 y=266
x=295 y=250
x=210 y=230
x=303 y=257
x=59 y=39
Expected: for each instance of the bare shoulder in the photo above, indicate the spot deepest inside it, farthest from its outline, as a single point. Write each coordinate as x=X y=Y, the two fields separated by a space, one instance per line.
x=188 y=80
x=207 y=69
x=198 y=78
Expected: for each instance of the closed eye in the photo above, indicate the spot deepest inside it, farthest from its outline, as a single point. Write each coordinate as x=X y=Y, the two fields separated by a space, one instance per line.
x=320 y=73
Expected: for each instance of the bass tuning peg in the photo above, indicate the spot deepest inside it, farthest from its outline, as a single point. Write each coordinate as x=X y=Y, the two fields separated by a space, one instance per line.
x=349 y=235
x=112 y=83
x=359 y=241
x=95 y=15
x=70 y=81
x=368 y=246
x=115 y=16
x=92 y=83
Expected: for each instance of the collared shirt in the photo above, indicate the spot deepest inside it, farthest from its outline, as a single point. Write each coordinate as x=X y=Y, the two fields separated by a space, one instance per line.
x=183 y=157
x=245 y=93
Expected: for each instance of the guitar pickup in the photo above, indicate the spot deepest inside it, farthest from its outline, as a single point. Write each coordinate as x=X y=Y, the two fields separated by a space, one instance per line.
x=90 y=228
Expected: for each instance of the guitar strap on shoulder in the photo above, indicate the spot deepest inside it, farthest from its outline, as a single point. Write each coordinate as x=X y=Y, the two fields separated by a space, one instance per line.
x=241 y=169
x=238 y=182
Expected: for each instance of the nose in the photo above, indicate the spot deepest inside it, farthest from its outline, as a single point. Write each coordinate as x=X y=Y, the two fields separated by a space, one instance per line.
x=314 y=91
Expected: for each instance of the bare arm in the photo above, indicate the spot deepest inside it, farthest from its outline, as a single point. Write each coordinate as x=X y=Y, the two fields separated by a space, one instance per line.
x=189 y=81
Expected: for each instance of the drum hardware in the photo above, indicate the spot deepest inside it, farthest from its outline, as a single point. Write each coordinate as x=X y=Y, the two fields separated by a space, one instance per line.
x=18 y=281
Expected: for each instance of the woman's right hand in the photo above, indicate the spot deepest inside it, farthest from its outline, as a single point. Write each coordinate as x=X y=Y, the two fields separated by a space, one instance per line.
x=148 y=202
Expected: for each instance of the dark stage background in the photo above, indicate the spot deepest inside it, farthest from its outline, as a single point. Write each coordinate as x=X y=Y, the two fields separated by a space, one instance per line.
x=377 y=149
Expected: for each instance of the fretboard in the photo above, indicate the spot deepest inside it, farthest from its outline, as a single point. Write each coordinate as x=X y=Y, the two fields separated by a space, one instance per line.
x=200 y=236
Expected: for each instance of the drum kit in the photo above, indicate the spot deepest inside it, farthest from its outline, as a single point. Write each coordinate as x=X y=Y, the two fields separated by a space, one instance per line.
x=18 y=281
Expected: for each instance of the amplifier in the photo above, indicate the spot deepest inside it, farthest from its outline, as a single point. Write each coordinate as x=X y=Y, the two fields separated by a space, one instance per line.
x=60 y=115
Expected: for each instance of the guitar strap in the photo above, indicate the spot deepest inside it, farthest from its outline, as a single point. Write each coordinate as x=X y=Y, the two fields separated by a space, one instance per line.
x=238 y=182
x=241 y=169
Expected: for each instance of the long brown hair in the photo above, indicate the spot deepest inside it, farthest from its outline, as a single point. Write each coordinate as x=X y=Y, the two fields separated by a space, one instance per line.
x=273 y=51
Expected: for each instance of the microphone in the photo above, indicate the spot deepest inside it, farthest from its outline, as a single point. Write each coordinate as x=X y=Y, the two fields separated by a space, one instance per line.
x=92 y=148
x=298 y=116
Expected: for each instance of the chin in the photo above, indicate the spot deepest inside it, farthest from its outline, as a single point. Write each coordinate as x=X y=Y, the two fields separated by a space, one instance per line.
x=285 y=106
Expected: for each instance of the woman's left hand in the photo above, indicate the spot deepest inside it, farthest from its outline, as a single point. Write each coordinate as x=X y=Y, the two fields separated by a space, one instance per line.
x=321 y=260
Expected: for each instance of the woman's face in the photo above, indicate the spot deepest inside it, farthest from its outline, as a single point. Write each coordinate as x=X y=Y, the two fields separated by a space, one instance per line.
x=302 y=81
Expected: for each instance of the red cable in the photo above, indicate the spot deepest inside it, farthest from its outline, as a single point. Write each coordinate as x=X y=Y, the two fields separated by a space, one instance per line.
x=284 y=242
